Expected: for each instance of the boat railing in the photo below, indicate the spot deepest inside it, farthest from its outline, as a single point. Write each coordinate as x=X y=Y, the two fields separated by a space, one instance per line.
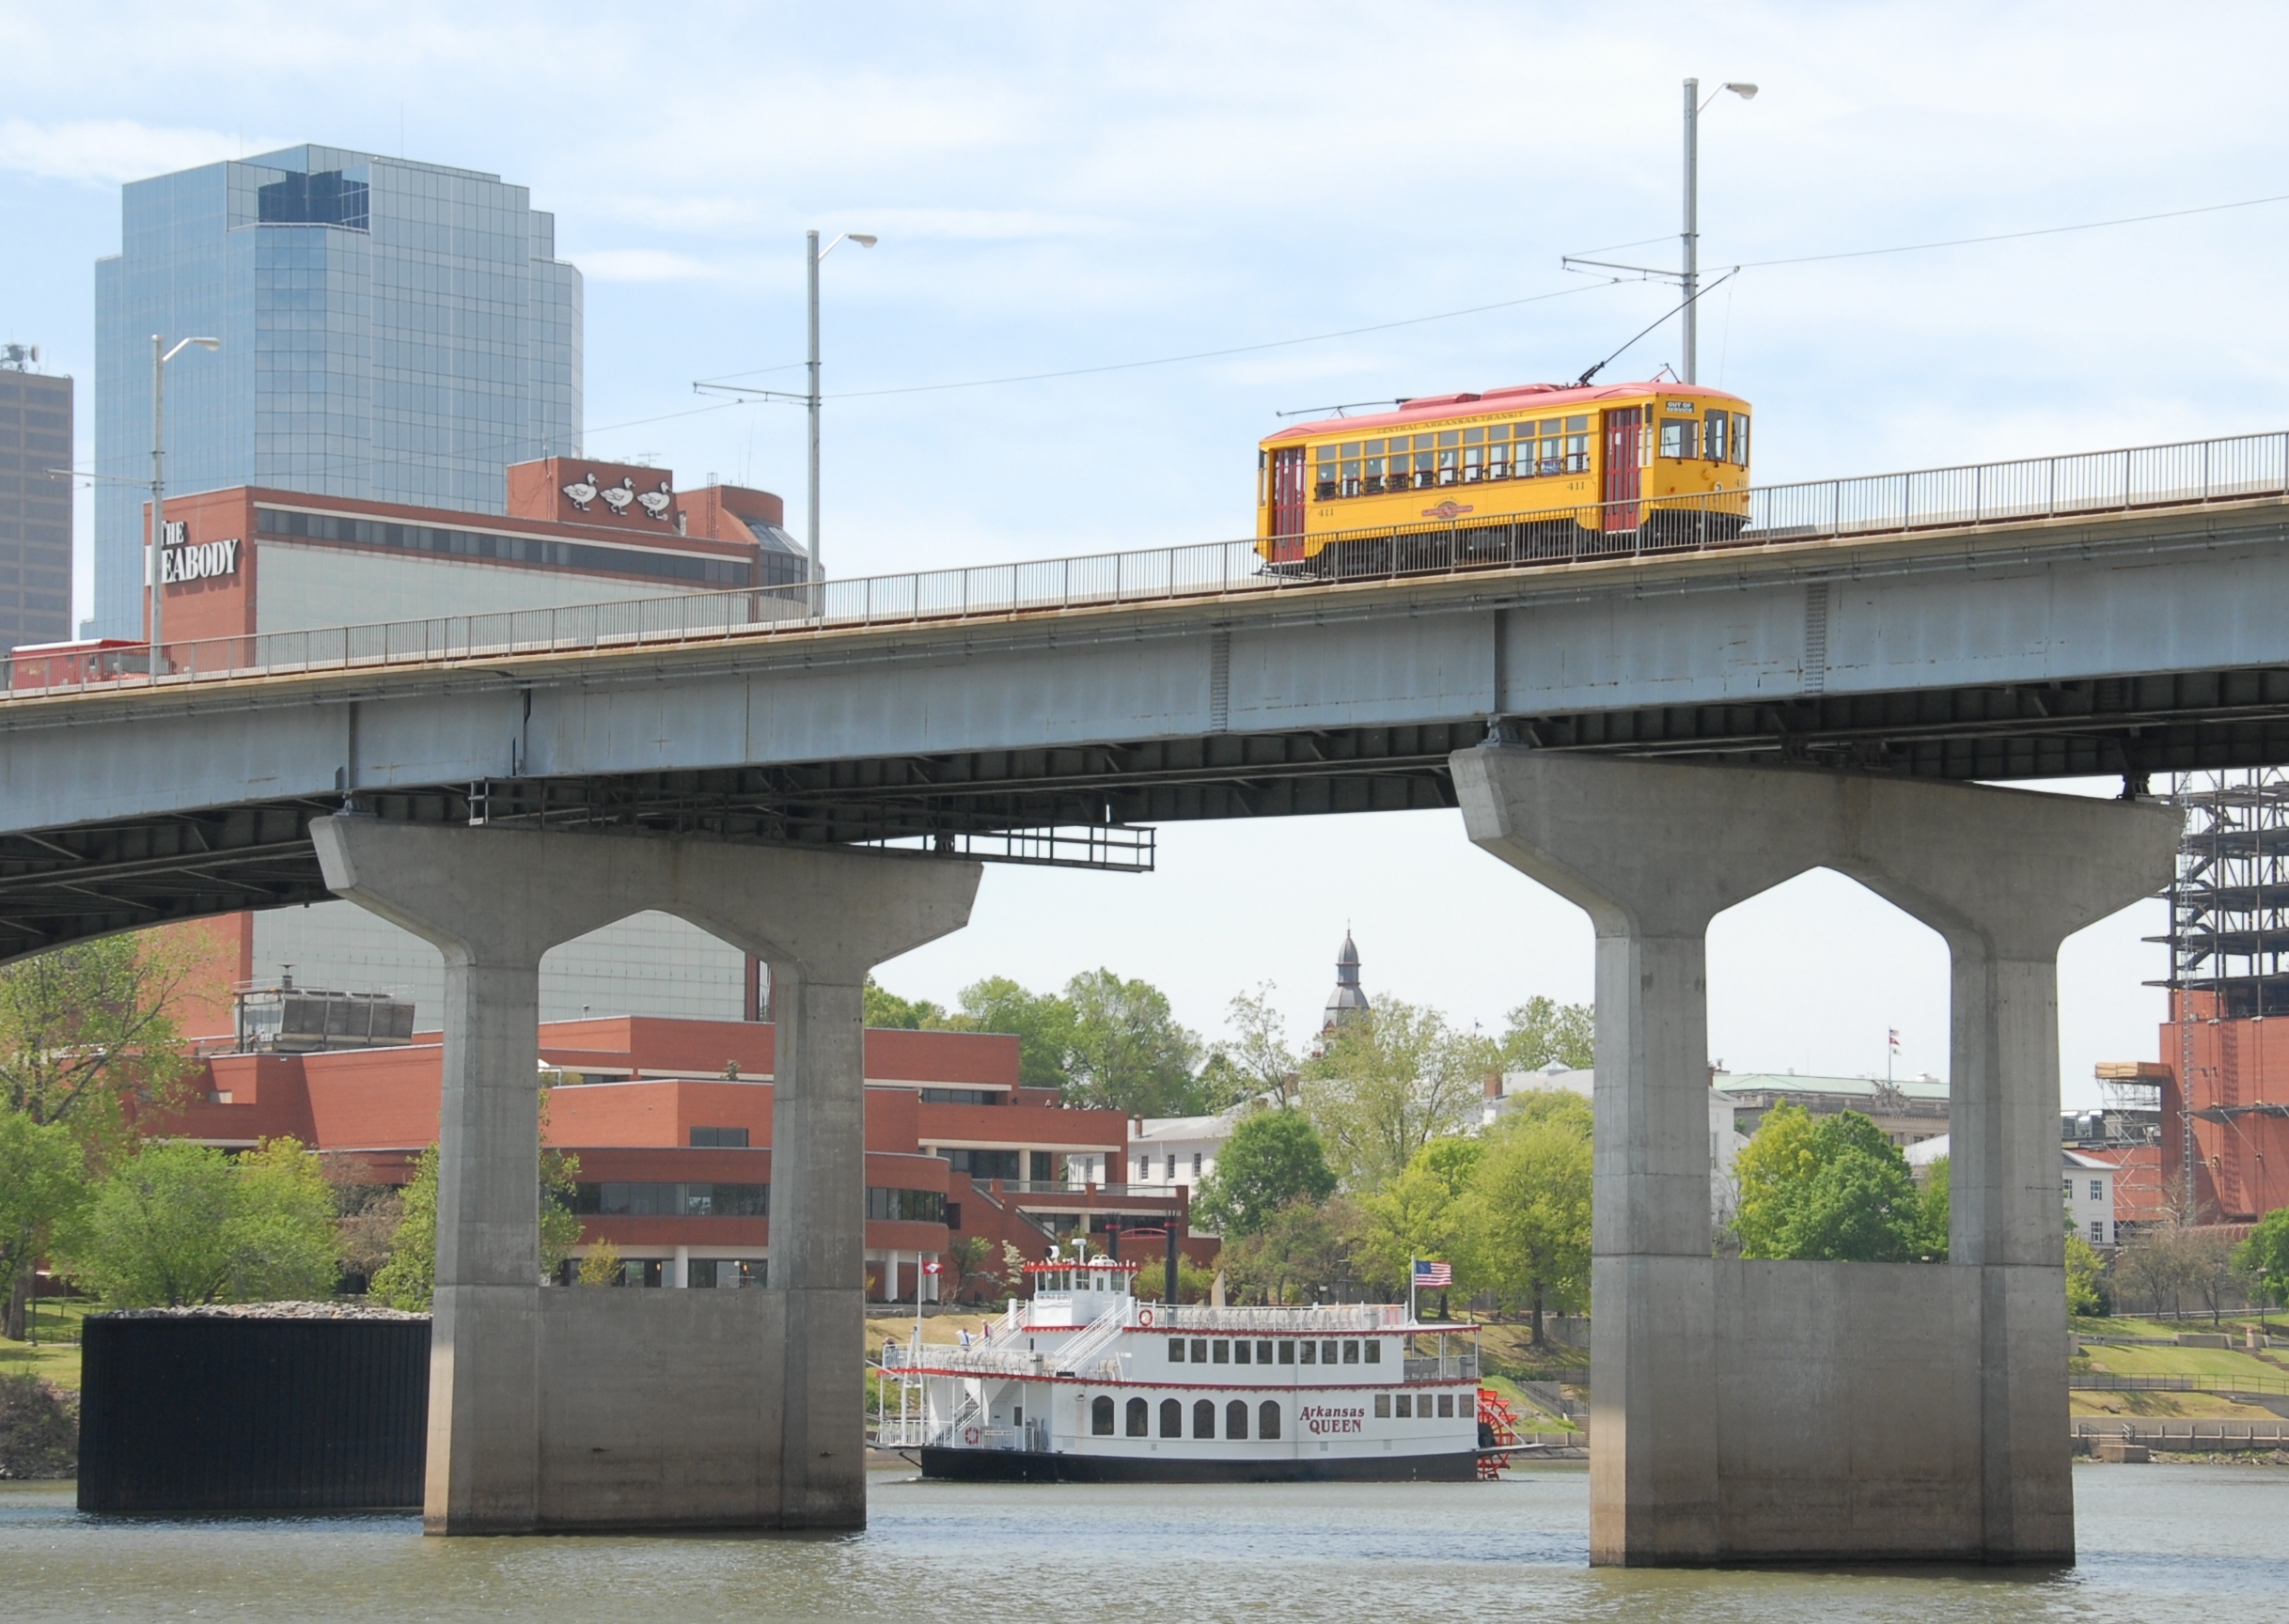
x=1338 y=1318
x=1456 y=1366
x=1080 y=1356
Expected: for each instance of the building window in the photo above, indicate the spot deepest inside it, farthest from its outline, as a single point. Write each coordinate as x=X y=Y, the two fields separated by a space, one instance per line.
x=1267 y=1419
x=960 y=1097
x=1144 y=1164
x=1138 y=1415
x=1383 y=1406
x=1101 y=1416
x=1172 y=1154
x=1171 y=1418
x=1351 y=1353
x=1204 y=1419
x=1176 y=1350
x=630 y=1199
x=719 y=1138
x=2098 y=1232
x=2098 y=1191
x=1402 y=1406
x=904 y=1206
x=983 y=1165
x=1195 y=1164
x=1236 y=1418
x=1223 y=1352
x=1287 y=1352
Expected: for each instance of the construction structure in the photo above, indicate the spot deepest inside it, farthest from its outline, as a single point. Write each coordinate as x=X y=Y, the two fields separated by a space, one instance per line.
x=2221 y=1091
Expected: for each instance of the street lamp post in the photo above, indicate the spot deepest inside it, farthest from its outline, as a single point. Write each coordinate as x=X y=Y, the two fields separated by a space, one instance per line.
x=160 y=357
x=1693 y=106
x=813 y=255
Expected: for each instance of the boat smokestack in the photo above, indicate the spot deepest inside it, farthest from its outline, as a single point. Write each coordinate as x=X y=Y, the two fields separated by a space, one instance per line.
x=1169 y=1295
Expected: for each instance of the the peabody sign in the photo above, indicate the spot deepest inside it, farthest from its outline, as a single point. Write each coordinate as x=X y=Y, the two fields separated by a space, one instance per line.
x=181 y=560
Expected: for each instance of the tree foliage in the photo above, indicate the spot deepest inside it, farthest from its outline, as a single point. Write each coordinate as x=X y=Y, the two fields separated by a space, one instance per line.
x=409 y=1279
x=1273 y=1157
x=1528 y=1208
x=1832 y=1188
x=2086 y=1279
x=1419 y=1213
x=1542 y=1033
x=43 y=1185
x=1302 y=1251
x=1127 y=1051
x=1391 y=1080
x=2264 y=1257
x=885 y=1010
x=178 y=1223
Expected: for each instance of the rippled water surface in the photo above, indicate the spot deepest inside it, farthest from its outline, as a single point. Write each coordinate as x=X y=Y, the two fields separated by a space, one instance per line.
x=2158 y=1543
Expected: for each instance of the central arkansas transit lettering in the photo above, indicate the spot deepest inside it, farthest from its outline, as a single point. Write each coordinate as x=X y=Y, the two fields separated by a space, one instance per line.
x=1332 y=1418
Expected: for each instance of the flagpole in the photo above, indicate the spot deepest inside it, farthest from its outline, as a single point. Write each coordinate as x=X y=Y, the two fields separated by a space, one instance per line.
x=1411 y=1290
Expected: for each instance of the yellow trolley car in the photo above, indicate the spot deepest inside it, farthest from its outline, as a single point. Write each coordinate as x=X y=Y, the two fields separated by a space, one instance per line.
x=1538 y=471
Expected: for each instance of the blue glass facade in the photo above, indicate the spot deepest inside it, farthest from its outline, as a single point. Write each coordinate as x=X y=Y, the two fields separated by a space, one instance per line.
x=394 y=331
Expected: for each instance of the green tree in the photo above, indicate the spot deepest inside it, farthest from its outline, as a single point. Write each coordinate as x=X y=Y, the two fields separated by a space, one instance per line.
x=2086 y=1279
x=601 y=1266
x=1542 y=1032
x=889 y=1010
x=1041 y=1022
x=1418 y=1214
x=2264 y=1257
x=1273 y=1157
x=409 y=1279
x=177 y=1224
x=88 y=1039
x=1932 y=1218
x=1126 y=1050
x=1833 y=1189
x=1527 y=1208
x=1256 y=1052
x=43 y=1186
x=1391 y=1080
x=1301 y=1249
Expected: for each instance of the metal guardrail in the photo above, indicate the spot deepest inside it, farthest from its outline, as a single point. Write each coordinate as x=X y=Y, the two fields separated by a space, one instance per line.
x=2186 y=472
x=2106 y=1384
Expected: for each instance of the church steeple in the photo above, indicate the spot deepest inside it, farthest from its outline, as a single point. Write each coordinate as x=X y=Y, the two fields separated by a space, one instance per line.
x=1348 y=999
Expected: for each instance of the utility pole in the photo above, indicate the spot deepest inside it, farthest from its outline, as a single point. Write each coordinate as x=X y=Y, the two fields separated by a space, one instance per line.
x=1692 y=230
x=811 y=256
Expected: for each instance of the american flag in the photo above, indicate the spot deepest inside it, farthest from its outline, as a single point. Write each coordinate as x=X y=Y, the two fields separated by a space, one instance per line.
x=1428 y=1273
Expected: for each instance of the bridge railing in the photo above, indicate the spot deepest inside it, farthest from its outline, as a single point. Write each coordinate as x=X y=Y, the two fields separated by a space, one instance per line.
x=1449 y=540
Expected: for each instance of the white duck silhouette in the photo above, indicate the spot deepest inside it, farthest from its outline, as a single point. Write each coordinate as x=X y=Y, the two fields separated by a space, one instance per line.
x=617 y=497
x=582 y=492
x=656 y=503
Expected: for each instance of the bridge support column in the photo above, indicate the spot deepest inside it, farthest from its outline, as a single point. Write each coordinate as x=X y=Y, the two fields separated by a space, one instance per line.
x=1747 y=1411
x=562 y=1409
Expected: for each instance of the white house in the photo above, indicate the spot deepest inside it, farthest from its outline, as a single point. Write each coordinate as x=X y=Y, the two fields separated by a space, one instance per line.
x=1166 y=1151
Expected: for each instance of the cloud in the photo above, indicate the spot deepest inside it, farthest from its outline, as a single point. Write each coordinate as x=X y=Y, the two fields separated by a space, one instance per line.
x=111 y=151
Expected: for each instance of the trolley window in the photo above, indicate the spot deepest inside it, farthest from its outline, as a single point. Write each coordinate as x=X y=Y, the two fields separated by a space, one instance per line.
x=1678 y=437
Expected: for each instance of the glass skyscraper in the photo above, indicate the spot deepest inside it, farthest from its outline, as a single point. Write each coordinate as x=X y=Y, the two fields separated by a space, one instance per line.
x=394 y=331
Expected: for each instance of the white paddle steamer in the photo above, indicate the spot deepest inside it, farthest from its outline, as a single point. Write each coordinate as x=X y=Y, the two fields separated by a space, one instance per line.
x=1085 y=1381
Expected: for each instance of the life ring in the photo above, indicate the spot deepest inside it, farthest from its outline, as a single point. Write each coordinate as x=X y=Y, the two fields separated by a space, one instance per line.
x=970 y=1434
x=1144 y=1316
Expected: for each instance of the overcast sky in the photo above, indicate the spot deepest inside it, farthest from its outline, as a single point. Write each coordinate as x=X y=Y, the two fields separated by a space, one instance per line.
x=1063 y=187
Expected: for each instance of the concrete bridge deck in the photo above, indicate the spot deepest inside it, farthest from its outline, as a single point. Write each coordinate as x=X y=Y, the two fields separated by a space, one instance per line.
x=1970 y=632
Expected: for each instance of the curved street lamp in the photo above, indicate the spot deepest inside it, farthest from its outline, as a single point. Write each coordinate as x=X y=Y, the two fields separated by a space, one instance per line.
x=865 y=240
x=1693 y=106
x=160 y=357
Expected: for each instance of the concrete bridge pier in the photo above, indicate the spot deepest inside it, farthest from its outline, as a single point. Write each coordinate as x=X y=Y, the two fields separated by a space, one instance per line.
x=553 y=1409
x=1747 y=1411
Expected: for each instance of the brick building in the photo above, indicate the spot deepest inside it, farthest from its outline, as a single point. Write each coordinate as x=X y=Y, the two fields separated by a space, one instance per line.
x=670 y=1121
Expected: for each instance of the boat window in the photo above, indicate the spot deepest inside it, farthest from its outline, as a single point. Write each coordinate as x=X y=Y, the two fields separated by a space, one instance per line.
x=1445 y=1404
x=1404 y=1406
x=1311 y=1352
x=1101 y=1416
x=1374 y=1352
x=1287 y=1352
x=1267 y=1419
x=1139 y=1414
x=1240 y=1352
x=1222 y=1351
x=1236 y=1418
x=1327 y=1352
x=1351 y=1353
x=1263 y=1352
x=1176 y=1350
x=1383 y=1406
x=1204 y=1418
x=1679 y=439
x=1171 y=1418
x=1199 y=1350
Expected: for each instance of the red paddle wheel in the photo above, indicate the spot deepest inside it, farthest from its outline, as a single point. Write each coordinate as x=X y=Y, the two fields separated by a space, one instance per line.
x=1497 y=1425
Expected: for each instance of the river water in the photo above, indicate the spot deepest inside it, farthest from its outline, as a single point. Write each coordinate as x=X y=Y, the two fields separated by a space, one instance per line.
x=2159 y=1543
